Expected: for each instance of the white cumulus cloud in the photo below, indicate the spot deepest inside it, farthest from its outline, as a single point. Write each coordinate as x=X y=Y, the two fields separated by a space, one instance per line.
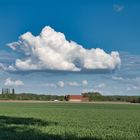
x=51 y=51
x=61 y=84
x=10 y=82
x=84 y=82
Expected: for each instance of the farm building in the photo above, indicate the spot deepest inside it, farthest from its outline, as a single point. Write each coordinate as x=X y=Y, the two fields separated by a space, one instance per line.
x=76 y=98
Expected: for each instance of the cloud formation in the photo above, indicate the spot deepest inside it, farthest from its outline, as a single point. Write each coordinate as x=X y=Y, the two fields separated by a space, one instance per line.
x=10 y=82
x=66 y=83
x=101 y=85
x=60 y=84
x=51 y=51
x=117 y=78
x=84 y=82
x=51 y=85
x=73 y=83
x=4 y=67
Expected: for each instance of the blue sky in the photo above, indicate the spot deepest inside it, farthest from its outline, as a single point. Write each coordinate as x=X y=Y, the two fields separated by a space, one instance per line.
x=111 y=26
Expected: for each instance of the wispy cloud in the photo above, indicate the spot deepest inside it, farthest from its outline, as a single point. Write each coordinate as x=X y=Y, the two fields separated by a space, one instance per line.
x=51 y=85
x=4 y=67
x=66 y=83
x=101 y=85
x=117 y=78
x=118 y=7
x=73 y=83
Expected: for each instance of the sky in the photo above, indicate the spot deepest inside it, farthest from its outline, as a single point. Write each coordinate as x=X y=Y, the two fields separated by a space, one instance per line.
x=69 y=47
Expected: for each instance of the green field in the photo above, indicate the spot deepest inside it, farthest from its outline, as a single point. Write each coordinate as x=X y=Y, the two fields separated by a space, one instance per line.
x=60 y=121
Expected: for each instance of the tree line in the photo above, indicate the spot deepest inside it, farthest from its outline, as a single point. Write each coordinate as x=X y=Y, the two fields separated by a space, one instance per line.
x=96 y=96
x=9 y=94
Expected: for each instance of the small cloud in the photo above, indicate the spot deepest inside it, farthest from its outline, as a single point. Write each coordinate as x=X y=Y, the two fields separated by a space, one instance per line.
x=117 y=78
x=97 y=90
x=2 y=67
x=87 y=90
x=61 y=84
x=6 y=68
x=100 y=85
x=135 y=87
x=128 y=88
x=118 y=8
x=52 y=85
x=73 y=84
x=84 y=82
x=9 y=82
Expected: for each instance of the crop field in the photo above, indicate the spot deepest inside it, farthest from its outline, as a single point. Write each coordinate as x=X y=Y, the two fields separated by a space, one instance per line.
x=69 y=121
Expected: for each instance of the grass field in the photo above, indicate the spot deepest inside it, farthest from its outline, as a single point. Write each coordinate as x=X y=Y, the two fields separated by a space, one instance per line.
x=60 y=121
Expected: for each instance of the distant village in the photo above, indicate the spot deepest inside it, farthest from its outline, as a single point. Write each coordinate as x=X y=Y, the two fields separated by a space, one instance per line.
x=10 y=94
x=6 y=93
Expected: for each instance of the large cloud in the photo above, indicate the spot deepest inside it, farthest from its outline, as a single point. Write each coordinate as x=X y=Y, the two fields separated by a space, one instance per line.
x=51 y=51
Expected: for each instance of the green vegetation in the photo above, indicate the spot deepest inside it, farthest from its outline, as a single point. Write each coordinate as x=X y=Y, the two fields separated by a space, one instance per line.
x=69 y=121
x=30 y=96
x=96 y=96
x=9 y=94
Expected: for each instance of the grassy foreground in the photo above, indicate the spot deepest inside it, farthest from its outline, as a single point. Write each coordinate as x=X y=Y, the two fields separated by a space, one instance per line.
x=60 y=121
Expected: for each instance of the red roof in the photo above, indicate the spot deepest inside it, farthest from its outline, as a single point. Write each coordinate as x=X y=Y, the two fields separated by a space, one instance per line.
x=75 y=97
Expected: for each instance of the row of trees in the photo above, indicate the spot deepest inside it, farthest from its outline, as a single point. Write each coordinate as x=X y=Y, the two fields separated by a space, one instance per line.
x=96 y=96
x=29 y=96
x=8 y=94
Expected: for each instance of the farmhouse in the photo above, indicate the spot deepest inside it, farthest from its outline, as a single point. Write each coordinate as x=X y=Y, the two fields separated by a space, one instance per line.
x=76 y=98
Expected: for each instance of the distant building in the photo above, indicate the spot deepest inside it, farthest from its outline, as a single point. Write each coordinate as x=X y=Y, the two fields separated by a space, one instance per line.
x=76 y=98
x=8 y=91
